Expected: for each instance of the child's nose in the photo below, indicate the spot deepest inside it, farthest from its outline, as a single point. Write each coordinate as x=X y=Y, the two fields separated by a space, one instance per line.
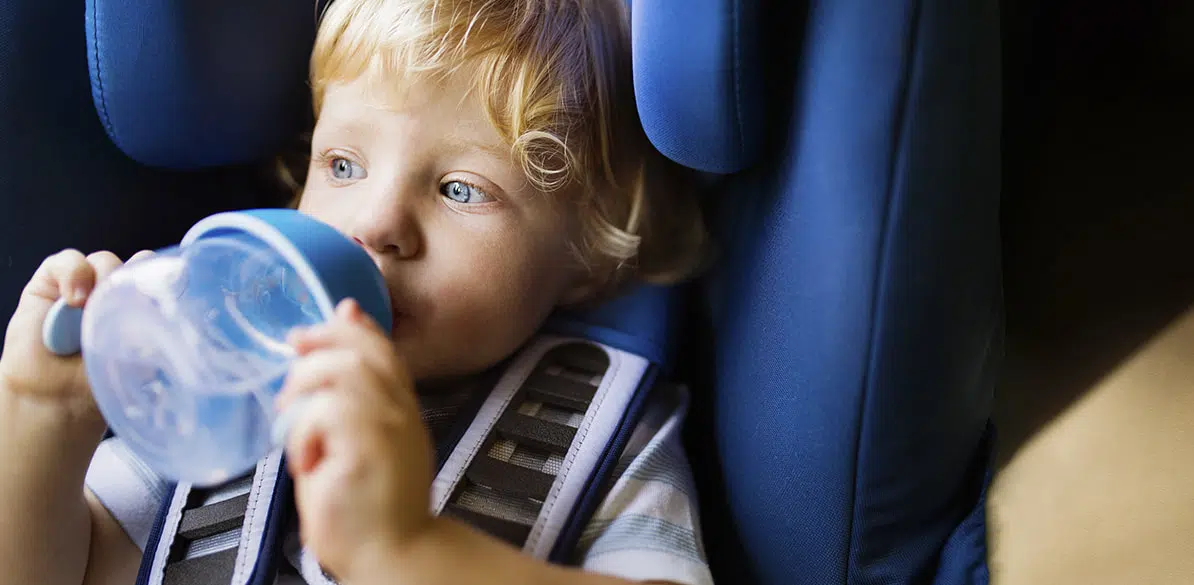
x=387 y=236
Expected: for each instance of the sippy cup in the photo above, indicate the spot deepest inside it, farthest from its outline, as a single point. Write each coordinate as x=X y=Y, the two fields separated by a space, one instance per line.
x=185 y=349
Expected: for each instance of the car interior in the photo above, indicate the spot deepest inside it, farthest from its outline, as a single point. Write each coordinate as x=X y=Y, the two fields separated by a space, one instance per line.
x=947 y=335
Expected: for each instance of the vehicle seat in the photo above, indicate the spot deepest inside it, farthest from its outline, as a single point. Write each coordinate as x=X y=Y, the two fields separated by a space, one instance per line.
x=843 y=350
x=852 y=330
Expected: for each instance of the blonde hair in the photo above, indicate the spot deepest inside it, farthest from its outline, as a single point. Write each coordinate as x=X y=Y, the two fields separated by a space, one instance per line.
x=555 y=80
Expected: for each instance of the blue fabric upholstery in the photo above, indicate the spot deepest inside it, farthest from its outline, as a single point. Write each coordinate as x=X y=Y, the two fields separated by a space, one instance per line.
x=697 y=80
x=844 y=354
x=857 y=312
x=186 y=85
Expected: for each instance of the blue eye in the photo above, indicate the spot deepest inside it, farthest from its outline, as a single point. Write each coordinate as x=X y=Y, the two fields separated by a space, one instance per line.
x=462 y=192
x=345 y=170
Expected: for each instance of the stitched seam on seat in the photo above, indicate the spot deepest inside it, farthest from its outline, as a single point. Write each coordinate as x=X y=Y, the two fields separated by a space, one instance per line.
x=99 y=75
x=250 y=517
x=881 y=265
x=737 y=72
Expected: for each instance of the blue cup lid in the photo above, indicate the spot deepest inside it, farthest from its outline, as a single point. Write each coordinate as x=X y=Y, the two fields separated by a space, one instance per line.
x=332 y=266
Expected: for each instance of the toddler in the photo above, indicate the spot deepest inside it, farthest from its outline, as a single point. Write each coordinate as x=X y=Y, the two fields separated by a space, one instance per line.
x=489 y=158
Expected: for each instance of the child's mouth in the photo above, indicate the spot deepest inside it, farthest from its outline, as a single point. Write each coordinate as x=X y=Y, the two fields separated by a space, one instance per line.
x=402 y=327
x=400 y=320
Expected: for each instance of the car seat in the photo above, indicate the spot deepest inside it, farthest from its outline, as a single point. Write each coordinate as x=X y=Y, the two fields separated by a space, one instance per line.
x=843 y=349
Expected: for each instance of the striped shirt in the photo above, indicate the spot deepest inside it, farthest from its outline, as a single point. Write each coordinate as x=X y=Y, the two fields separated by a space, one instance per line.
x=645 y=529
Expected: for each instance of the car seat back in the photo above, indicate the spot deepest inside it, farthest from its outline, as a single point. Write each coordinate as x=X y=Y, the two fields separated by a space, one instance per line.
x=855 y=315
x=845 y=345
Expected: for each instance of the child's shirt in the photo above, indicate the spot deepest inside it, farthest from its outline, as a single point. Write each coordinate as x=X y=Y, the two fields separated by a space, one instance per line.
x=646 y=528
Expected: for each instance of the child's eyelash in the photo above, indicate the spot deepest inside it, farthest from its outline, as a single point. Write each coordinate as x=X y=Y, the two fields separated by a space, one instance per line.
x=325 y=158
x=487 y=194
x=467 y=183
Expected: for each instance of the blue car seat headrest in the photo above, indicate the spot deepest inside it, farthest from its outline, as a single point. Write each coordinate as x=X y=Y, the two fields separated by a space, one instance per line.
x=187 y=84
x=697 y=79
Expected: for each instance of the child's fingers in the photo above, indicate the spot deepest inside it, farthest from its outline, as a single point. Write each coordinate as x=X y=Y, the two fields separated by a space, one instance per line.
x=322 y=370
x=95 y=268
x=71 y=275
x=350 y=310
x=349 y=313
x=307 y=438
x=103 y=264
x=375 y=347
x=141 y=255
x=305 y=340
x=329 y=424
x=348 y=317
x=342 y=370
x=60 y=275
x=333 y=470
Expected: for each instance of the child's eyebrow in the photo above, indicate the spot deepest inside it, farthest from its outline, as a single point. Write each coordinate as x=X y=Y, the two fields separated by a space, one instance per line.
x=503 y=169
x=464 y=144
x=340 y=128
x=478 y=135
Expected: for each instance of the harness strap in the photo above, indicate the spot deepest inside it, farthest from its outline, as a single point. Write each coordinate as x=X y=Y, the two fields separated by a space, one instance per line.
x=527 y=469
x=537 y=444
x=215 y=535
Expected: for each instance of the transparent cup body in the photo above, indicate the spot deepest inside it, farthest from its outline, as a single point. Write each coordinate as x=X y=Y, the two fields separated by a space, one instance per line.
x=185 y=351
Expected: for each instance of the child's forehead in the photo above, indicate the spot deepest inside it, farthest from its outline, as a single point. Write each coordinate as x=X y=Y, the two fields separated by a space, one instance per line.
x=395 y=90
x=434 y=115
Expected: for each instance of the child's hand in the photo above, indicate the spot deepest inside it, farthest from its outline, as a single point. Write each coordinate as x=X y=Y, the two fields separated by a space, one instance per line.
x=359 y=453
x=26 y=366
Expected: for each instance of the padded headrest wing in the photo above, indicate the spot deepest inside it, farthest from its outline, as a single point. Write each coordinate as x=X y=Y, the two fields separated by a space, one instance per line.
x=186 y=84
x=697 y=79
x=641 y=321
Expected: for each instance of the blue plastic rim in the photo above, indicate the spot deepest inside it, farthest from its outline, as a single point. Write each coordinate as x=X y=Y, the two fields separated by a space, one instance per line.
x=331 y=265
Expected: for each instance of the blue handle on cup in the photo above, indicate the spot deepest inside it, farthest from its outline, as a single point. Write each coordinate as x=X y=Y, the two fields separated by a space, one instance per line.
x=61 y=332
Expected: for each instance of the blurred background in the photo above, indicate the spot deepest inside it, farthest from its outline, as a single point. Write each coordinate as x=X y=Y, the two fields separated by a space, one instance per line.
x=1096 y=408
